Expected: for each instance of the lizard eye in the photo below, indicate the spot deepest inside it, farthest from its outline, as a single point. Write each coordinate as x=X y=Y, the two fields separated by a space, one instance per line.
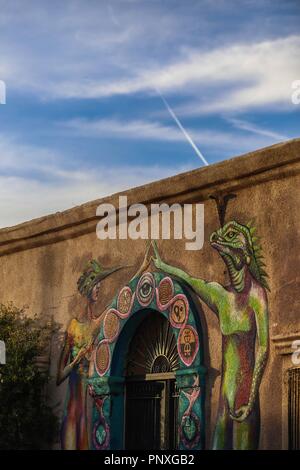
x=230 y=234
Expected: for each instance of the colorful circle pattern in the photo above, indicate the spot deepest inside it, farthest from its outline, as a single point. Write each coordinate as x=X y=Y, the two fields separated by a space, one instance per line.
x=146 y=289
x=165 y=291
x=179 y=312
x=111 y=326
x=102 y=357
x=188 y=344
x=124 y=303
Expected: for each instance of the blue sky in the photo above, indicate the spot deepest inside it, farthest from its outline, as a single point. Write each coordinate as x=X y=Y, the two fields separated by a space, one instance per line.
x=83 y=117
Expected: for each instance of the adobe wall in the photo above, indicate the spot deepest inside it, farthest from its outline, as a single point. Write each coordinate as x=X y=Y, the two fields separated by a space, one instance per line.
x=41 y=260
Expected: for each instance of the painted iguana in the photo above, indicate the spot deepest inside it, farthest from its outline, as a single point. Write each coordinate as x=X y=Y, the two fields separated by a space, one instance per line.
x=242 y=309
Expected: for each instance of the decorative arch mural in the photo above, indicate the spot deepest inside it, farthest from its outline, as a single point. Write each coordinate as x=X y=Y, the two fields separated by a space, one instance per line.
x=163 y=294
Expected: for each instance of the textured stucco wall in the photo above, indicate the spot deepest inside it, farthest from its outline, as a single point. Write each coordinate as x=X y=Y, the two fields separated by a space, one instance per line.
x=40 y=262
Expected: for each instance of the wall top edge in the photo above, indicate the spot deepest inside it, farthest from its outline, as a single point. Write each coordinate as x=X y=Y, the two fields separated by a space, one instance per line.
x=217 y=176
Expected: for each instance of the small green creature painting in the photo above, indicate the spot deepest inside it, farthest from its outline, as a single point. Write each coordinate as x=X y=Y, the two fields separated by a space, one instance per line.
x=242 y=310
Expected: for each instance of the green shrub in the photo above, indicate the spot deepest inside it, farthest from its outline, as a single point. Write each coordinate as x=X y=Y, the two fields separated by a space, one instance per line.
x=26 y=421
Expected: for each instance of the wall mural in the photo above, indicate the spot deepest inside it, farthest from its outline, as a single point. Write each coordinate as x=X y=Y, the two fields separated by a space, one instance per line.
x=92 y=362
x=160 y=293
x=87 y=354
x=147 y=293
x=190 y=424
x=75 y=359
x=242 y=309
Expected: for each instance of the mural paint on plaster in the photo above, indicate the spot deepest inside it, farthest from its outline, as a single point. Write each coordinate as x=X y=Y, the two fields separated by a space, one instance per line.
x=160 y=293
x=242 y=310
x=75 y=359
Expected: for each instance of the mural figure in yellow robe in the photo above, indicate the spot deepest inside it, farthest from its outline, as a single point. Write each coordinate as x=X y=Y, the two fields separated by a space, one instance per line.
x=76 y=354
x=74 y=359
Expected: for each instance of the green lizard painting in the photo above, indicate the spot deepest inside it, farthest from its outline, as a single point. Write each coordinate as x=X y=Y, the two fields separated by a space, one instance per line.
x=242 y=310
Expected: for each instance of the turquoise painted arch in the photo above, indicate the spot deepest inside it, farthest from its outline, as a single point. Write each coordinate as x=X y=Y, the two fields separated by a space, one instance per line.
x=163 y=294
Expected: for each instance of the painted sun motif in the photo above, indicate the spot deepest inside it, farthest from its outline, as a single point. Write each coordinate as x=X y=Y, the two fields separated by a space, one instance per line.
x=154 y=348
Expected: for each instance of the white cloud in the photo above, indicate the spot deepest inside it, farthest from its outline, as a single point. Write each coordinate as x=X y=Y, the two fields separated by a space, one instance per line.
x=55 y=188
x=51 y=48
x=249 y=76
x=247 y=126
x=134 y=129
x=126 y=47
x=16 y=156
x=154 y=130
x=23 y=199
x=260 y=74
x=130 y=47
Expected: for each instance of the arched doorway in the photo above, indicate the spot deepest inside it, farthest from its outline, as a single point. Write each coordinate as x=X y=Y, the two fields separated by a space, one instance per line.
x=149 y=349
x=151 y=398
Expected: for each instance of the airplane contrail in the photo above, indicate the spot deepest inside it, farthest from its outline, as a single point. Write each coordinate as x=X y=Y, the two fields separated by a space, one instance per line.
x=188 y=137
